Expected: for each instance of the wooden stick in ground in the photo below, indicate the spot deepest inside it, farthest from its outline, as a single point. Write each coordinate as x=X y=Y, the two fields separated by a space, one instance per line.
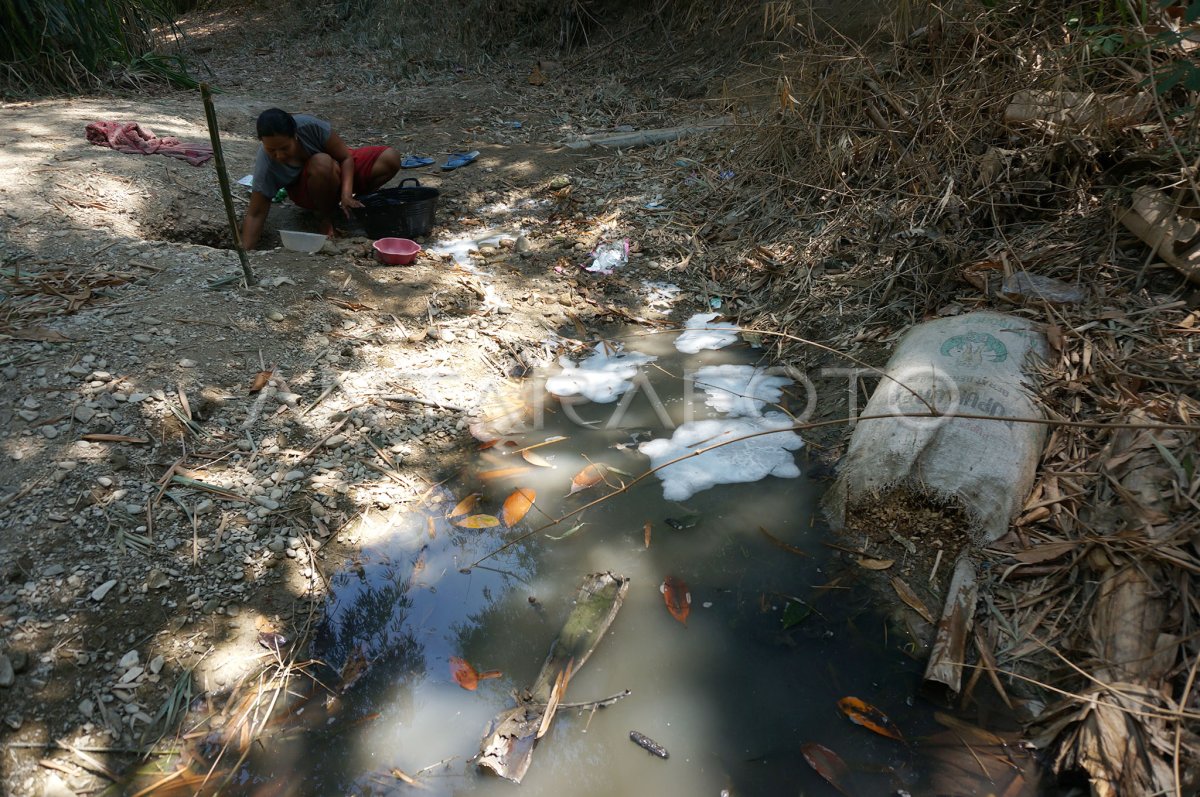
x=223 y=177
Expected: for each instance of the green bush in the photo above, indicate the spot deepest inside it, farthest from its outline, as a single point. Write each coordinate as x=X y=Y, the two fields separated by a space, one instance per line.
x=69 y=45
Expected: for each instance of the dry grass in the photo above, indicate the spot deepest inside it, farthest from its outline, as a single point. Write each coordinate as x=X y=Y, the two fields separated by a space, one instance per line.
x=875 y=182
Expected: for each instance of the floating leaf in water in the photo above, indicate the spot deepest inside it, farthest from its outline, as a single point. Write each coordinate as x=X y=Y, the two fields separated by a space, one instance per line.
x=566 y=533
x=914 y=602
x=503 y=473
x=875 y=564
x=871 y=718
x=587 y=478
x=646 y=533
x=464 y=506
x=534 y=458
x=466 y=676
x=678 y=599
x=795 y=612
x=827 y=763
x=478 y=522
x=517 y=505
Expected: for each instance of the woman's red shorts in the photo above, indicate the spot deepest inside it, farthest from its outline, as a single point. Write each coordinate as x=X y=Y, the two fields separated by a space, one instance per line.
x=364 y=161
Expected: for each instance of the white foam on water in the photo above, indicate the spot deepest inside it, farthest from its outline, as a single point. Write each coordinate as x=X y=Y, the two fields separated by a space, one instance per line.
x=739 y=390
x=742 y=461
x=696 y=336
x=459 y=248
x=603 y=377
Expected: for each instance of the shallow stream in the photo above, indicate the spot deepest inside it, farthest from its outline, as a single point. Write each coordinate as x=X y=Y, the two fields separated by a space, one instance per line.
x=778 y=629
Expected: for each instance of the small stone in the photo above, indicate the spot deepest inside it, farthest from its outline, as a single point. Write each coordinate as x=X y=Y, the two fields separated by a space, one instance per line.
x=157 y=580
x=266 y=503
x=275 y=315
x=49 y=432
x=186 y=363
x=130 y=659
x=335 y=441
x=210 y=606
x=84 y=414
x=141 y=338
x=86 y=707
x=233 y=610
x=54 y=570
x=28 y=415
x=99 y=592
x=290 y=399
x=522 y=244
x=156 y=664
x=293 y=476
x=104 y=481
x=204 y=506
x=137 y=398
x=14 y=721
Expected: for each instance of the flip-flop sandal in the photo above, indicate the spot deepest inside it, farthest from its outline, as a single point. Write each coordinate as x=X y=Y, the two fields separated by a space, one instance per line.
x=459 y=159
x=414 y=161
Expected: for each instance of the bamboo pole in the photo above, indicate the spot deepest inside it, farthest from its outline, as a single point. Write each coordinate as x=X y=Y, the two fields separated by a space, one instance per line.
x=223 y=177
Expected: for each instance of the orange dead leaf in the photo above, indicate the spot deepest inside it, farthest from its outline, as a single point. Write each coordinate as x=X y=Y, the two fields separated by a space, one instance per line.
x=646 y=533
x=260 y=381
x=503 y=473
x=534 y=458
x=464 y=506
x=876 y=564
x=517 y=505
x=536 y=78
x=478 y=522
x=587 y=478
x=871 y=718
x=466 y=676
x=827 y=763
x=677 y=597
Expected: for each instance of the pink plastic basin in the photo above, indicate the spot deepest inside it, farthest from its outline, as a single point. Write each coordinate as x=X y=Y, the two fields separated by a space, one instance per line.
x=396 y=251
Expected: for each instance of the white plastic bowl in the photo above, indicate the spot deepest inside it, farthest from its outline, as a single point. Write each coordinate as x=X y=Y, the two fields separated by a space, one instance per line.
x=302 y=241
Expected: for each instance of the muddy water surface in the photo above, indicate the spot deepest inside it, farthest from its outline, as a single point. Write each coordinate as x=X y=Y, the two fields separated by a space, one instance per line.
x=772 y=641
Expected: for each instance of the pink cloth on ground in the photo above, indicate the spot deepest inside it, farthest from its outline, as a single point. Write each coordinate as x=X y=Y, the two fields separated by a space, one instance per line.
x=133 y=138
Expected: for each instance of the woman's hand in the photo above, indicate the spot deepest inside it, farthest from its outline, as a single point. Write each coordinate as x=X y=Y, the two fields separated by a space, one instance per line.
x=348 y=202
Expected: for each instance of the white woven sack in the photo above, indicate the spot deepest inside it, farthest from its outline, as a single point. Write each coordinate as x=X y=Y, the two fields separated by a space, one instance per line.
x=973 y=364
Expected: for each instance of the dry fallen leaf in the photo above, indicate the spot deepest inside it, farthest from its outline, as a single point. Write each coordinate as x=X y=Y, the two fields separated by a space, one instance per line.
x=478 y=522
x=503 y=473
x=646 y=533
x=260 y=380
x=466 y=676
x=911 y=599
x=677 y=597
x=534 y=458
x=862 y=713
x=517 y=505
x=587 y=478
x=827 y=764
x=464 y=506
x=876 y=564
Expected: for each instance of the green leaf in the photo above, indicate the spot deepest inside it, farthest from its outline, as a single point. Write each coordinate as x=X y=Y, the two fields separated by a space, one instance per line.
x=795 y=613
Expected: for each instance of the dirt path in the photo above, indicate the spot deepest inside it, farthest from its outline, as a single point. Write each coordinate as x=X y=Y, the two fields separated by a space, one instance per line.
x=118 y=584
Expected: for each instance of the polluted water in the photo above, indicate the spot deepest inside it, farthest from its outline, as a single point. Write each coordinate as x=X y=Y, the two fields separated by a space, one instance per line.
x=746 y=657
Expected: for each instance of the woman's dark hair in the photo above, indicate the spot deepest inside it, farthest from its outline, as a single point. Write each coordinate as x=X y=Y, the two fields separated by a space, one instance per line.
x=274 y=122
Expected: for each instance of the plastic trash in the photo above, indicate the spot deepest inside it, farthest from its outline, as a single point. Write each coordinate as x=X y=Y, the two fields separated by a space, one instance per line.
x=1023 y=287
x=609 y=257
